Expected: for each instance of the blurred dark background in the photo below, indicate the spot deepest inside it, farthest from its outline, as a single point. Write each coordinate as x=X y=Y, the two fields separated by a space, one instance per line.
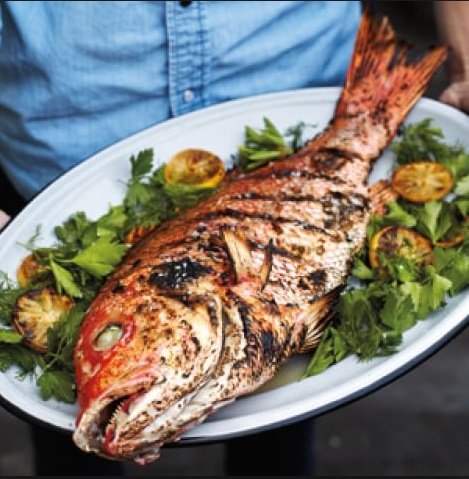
x=417 y=425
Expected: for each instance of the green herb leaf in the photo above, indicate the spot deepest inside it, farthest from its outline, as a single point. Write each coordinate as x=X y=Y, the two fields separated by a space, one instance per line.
x=429 y=295
x=185 y=196
x=71 y=232
x=361 y=271
x=359 y=324
x=331 y=349
x=9 y=293
x=142 y=165
x=100 y=257
x=62 y=336
x=457 y=162
x=64 y=280
x=296 y=132
x=453 y=264
x=10 y=336
x=261 y=147
x=18 y=355
x=400 y=268
x=435 y=218
x=112 y=223
x=396 y=216
x=30 y=245
x=463 y=206
x=138 y=194
x=423 y=142
x=398 y=311
x=462 y=186
x=57 y=384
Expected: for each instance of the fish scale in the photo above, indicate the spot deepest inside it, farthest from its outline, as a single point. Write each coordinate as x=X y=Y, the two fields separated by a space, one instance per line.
x=214 y=302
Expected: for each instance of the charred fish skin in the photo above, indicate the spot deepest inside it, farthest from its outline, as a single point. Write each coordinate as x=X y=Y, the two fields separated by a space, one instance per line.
x=213 y=302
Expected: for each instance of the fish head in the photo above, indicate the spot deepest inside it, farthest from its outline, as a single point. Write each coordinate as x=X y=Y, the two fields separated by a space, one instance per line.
x=139 y=358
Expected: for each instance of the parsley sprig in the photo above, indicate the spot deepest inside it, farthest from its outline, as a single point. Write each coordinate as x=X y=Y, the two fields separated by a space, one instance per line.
x=268 y=144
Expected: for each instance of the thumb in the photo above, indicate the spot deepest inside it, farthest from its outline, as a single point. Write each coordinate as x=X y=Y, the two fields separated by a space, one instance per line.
x=457 y=95
x=4 y=219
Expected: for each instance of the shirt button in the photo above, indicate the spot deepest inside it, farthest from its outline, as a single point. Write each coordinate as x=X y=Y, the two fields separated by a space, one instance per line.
x=188 y=96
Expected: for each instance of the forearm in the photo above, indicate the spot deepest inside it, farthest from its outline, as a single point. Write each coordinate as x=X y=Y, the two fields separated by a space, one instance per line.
x=453 y=24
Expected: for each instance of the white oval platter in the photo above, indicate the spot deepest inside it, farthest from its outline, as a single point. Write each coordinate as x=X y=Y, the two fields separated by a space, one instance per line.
x=99 y=181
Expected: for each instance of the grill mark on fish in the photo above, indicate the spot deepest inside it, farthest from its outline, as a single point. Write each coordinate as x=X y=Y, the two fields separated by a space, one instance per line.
x=243 y=310
x=333 y=157
x=118 y=288
x=302 y=288
x=339 y=208
x=351 y=197
x=212 y=313
x=258 y=336
x=276 y=251
x=318 y=277
x=288 y=173
x=183 y=297
x=228 y=212
x=136 y=263
x=173 y=275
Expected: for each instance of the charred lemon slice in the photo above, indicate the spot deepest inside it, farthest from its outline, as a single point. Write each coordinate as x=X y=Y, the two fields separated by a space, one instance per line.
x=422 y=181
x=395 y=241
x=199 y=168
x=30 y=271
x=36 y=312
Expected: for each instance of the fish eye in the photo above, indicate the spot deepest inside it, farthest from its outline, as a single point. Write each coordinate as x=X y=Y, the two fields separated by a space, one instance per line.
x=108 y=337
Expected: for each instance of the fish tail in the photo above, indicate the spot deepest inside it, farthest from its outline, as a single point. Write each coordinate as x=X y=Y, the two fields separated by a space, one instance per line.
x=385 y=79
x=398 y=76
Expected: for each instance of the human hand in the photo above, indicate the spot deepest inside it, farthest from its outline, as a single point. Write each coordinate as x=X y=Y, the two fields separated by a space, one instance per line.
x=452 y=19
x=457 y=95
x=4 y=219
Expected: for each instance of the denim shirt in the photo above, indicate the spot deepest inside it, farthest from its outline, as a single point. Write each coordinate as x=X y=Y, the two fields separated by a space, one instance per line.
x=78 y=76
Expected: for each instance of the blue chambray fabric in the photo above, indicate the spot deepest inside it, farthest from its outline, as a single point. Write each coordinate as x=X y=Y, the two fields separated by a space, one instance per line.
x=77 y=76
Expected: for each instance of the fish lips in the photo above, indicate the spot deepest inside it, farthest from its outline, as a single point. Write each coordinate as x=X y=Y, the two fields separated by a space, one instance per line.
x=97 y=418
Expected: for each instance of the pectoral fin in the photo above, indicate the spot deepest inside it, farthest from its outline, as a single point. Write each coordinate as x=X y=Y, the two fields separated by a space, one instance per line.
x=241 y=258
x=240 y=254
x=266 y=265
x=317 y=317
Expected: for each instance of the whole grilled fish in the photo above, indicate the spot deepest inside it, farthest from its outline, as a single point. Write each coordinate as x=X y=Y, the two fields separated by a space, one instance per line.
x=212 y=304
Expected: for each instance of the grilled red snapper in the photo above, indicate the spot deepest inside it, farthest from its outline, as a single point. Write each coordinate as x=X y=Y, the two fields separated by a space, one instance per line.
x=212 y=304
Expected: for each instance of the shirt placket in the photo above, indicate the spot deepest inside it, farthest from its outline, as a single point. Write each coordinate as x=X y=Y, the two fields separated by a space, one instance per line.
x=187 y=55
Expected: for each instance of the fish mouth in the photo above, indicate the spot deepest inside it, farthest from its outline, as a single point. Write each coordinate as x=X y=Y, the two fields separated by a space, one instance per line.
x=97 y=425
x=125 y=426
x=114 y=414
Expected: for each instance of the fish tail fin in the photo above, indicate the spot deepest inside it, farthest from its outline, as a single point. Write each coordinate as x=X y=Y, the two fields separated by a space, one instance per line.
x=384 y=81
x=390 y=66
